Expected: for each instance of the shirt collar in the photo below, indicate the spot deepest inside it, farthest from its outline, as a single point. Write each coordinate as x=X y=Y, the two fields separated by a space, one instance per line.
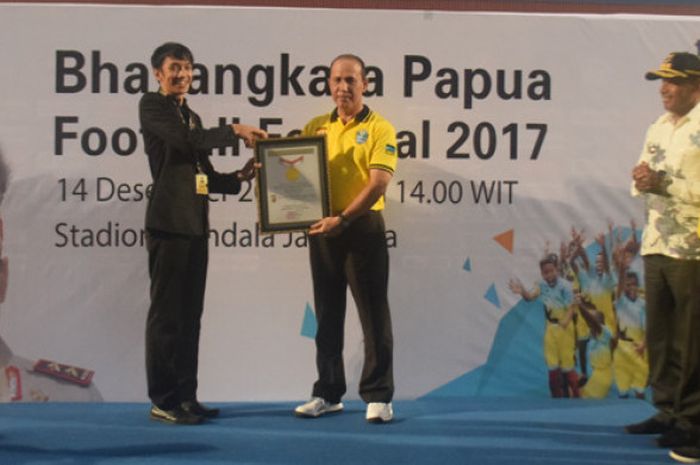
x=361 y=116
x=173 y=99
x=693 y=114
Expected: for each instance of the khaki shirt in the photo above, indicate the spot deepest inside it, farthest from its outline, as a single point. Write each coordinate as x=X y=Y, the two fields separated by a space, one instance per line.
x=672 y=217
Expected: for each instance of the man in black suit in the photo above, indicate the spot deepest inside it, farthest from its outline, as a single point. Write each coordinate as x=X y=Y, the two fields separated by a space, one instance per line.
x=177 y=226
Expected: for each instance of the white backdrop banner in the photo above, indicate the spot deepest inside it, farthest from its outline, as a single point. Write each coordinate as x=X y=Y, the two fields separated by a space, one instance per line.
x=512 y=129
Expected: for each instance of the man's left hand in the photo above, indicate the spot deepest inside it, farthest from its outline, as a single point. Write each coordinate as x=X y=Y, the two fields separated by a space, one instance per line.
x=248 y=171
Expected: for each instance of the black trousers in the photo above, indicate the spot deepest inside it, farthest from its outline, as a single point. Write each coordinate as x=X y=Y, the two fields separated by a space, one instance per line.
x=178 y=270
x=358 y=257
x=672 y=293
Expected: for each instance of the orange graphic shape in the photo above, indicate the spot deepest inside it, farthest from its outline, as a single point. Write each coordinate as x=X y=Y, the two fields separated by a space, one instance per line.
x=505 y=239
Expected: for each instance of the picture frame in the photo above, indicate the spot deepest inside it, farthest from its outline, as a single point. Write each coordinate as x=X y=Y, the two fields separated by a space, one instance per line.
x=292 y=183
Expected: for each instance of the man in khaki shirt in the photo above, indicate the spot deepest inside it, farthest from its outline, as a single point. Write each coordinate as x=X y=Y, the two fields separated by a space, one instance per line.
x=668 y=178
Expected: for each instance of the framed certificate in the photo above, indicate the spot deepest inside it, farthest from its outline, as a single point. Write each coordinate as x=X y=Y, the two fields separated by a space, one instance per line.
x=293 y=190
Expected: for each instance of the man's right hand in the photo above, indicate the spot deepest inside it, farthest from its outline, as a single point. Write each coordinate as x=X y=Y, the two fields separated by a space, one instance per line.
x=329 y=226
x=646 y=179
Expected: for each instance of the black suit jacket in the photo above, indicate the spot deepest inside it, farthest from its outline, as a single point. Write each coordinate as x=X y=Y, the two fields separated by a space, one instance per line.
x=176 y=143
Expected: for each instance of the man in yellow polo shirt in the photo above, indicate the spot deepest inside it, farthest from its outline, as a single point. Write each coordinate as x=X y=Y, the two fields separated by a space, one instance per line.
x=349 y=248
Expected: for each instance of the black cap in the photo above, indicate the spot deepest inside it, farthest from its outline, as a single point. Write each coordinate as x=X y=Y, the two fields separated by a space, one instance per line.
x=677 y=65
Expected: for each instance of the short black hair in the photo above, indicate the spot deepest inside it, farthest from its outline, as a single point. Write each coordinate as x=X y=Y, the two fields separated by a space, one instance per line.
x=550 y=259
x=632 y=275
x=350 y=56
x=173 y=50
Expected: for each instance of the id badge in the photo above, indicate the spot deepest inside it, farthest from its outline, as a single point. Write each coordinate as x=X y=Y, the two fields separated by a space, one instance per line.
x=202 y=184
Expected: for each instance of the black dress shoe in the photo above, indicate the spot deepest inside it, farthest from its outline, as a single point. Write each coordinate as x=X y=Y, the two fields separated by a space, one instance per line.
x=195 y=408
x=650 y=426
x=676 y=437
x=175 y=416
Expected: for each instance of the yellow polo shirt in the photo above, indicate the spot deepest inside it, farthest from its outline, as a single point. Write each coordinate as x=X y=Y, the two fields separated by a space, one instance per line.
x=353 y=149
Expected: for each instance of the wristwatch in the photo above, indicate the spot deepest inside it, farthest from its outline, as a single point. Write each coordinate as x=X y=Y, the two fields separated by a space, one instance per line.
x=344 y=221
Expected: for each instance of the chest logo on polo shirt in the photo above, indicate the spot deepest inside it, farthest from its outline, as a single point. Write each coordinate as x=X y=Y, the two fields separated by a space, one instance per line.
x=361 y=136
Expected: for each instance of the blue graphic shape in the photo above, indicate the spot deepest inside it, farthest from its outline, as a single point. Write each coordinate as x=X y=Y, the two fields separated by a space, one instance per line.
x=492 y=296
x=515 y=365
x=467 y=265
x=309 y=325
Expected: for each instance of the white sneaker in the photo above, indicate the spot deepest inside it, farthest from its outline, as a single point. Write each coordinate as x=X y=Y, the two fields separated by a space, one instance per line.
x=687 y=454
x=316 y=407
x=379 y=412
